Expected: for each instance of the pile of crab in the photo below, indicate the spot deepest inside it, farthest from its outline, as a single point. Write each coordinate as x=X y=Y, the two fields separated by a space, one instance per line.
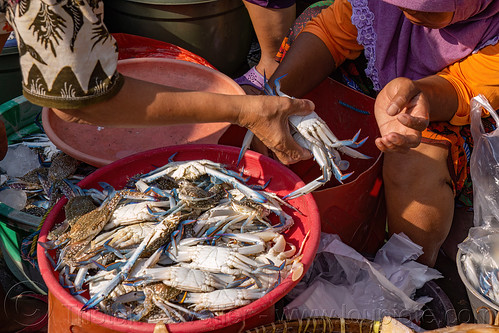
x=189 y=240
x=44 y=184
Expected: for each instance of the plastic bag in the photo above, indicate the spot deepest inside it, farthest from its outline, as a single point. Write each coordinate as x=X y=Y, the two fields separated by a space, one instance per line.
x=342 y=283
x=484 y=166
x=480 y=261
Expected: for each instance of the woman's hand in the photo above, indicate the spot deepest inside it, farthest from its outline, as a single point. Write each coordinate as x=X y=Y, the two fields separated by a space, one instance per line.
x=268 y=117
x=402 y=113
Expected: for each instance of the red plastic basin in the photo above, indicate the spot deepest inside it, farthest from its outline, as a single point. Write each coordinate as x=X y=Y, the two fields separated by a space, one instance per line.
x=100 y=146
x=65 y=311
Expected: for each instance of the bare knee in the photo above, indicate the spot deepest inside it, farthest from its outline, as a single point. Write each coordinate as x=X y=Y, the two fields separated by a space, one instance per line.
x=424 y=168
x=420 y=200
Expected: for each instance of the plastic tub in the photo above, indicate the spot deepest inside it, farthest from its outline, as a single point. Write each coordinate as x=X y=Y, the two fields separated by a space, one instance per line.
x=65 y=311
x=477 y=300
x=354 y=210
x=100 y=146
x=132 y=46
x=217 y=30
x=10 y=71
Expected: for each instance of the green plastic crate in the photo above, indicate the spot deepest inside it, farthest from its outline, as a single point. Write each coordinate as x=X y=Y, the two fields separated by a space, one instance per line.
x=19 y=117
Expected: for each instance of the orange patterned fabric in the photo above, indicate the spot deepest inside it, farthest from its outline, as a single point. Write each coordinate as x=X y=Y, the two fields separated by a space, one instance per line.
x=449 y=135
x=459 y=141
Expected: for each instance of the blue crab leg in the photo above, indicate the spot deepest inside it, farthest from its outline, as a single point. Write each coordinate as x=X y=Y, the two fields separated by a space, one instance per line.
x=252 y=194
x=310 y=187
x=80 y=277
x=108 y=268
x=112 y=249
x=199 y=315
x=248 y=137
x=237 y=282
x=167 y=309
x=320 y=154
x=50 y=259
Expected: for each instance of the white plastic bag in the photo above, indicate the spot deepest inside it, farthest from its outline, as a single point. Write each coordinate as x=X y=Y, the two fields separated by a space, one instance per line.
x=484 y=166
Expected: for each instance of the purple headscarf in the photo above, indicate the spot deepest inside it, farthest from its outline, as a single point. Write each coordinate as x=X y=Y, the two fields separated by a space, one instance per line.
x=395 y=47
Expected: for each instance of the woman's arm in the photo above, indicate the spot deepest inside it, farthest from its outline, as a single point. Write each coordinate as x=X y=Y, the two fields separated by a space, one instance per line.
x=324 y=44
x=307 y=63
x=404 y=107
x=141 y=103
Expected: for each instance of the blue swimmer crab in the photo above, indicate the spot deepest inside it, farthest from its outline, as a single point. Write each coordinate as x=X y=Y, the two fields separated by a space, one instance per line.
x=312 y=133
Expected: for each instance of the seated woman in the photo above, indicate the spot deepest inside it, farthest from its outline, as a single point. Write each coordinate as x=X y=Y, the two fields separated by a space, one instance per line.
x=69 y=63
x=425 y=60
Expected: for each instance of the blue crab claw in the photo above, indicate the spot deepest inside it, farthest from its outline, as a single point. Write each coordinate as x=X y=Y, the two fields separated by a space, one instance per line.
x=47 y=187
x=358 y=144
x=277 y=83
x=172 y=156
x=47 y=245
x=75 y=189
x=261 y=187
x=204 y=314
x=267 y=88
x=107 y=188
x=237 y=175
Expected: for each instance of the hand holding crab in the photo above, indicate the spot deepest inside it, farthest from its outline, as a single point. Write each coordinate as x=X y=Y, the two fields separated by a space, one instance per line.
x=312 y=133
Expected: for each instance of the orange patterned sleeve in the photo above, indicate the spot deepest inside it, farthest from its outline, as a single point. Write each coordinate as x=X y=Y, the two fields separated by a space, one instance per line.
x=476 y=74
x=335 y=28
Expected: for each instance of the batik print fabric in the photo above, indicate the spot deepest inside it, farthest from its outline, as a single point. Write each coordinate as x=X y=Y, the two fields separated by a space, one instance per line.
x=68 y=58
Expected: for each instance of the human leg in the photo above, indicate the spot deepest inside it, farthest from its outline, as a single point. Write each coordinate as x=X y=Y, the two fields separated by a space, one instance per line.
x=271 y=25
x=419 y=196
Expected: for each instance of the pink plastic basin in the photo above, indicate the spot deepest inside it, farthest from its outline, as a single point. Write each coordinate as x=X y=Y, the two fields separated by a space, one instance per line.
x=100 y=146
x=65 y=311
